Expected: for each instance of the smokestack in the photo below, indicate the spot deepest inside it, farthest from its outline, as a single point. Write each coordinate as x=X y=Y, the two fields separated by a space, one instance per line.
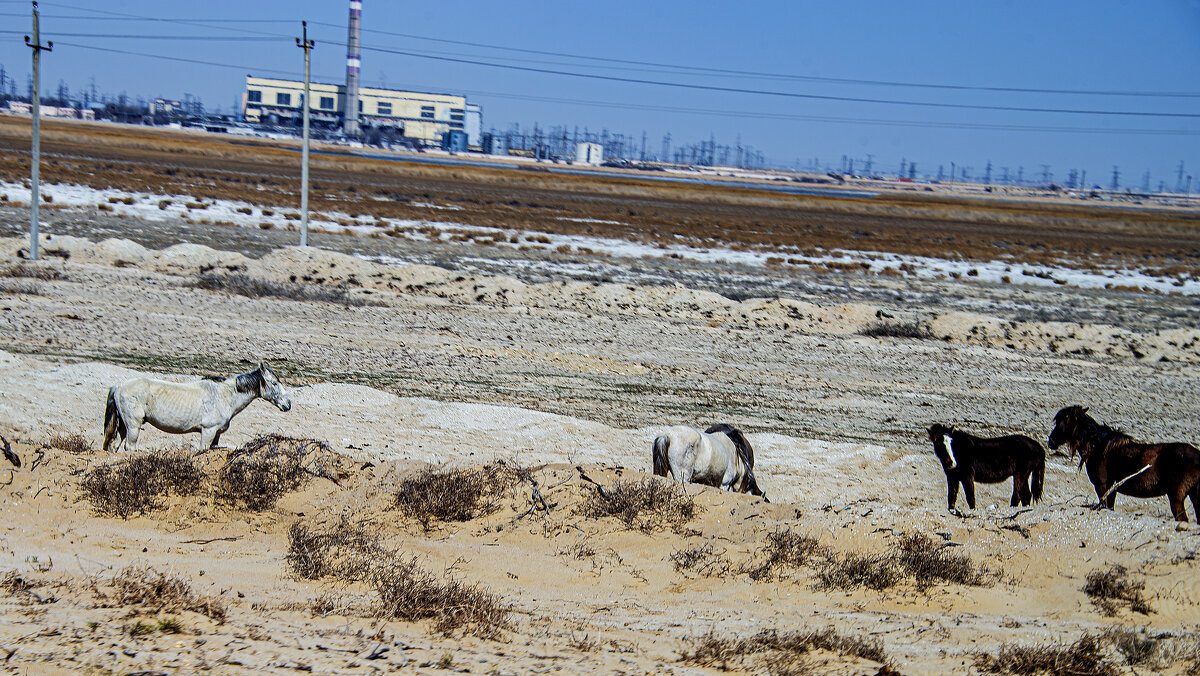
x=353 y=63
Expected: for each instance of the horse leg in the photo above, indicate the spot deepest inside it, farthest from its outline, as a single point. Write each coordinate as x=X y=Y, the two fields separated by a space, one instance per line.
x=215 y=441
x=131 y=436
x=1016 y=496
x=969 y=491
x=208 y=437
x=1178 y=506
x=953 y=493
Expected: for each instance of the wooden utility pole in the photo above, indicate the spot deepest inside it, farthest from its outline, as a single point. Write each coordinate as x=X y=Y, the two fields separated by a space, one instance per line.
x=307 y=46
x=35 y=162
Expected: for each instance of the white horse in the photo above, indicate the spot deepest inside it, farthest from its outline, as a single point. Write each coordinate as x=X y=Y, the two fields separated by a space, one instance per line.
x=719 y=456
x=204 y=406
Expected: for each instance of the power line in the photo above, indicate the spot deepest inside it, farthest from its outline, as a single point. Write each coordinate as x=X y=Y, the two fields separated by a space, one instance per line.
x=767 y=92
x=787 y=76
x=703 y=111
x=132 y=36
x=675 y=67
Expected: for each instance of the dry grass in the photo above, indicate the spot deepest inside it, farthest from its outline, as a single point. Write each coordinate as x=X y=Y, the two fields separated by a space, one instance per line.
x=253 y=287
x=138 y=484
x=781 y=652
x=1111 y=589
x=648 y=505
x=703 y=559
x=896 y=330
x=259 y=473
x=353 y=553
x=913 y=556
x=31 y=271
x=160 y=592
x=785 y=551
x=455 y=494
x=1084 y=657
x=73 y=442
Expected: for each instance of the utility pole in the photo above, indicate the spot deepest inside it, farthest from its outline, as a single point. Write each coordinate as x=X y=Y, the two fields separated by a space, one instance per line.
x=307 y=45
x=1116 y=184
x=35 y=97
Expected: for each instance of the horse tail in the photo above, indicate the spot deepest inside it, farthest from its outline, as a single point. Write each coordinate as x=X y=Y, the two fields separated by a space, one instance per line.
x=661 y=444
x=1039 y=476
x=744 y=451
x=113 y=422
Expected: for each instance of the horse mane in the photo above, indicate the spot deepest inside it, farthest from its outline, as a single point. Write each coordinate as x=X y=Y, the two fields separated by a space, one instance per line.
x=249 y=382
x=744 y=450
x=215 y=379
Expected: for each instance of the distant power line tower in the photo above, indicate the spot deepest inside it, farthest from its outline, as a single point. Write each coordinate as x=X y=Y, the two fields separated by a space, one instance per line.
x=1179 y=179
x=987 y=173
x=666 y=148
x=1116 y=182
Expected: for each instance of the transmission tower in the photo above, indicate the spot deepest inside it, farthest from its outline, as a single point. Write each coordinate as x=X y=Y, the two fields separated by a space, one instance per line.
x=1116 y=183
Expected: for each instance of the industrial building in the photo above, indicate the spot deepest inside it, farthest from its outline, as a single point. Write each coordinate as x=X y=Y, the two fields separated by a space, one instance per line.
x=420 y=117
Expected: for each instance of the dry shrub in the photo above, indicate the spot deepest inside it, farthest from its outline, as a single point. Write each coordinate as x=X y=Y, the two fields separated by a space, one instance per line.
x=896 y=330
x=785 y=550
x=136 y=485
x=914 y=556
x=259 y=473
x=783 y=652
x=253 y=287
x=160 y=592
x=72 y=443
x=703 y=559
x=850 y=571
x=1084 y=657
x=32 y=271
x=337 y=552
x=647 y=505
x=455 y=494
x=1112 y=588
x=928 y=562
x=352 y=553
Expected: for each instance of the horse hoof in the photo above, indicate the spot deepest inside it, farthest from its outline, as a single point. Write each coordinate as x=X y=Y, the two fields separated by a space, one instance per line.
x=1182 y=526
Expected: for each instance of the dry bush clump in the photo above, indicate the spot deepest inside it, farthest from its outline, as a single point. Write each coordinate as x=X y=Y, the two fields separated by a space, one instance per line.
x=73 y=442
x=136 y=485
x=1112 y=588
x=1084 y=657
x=896 y=330
x=703 y=559
x=353 y=553
x=455 y=494
x=262 y=471
x=253 y=287
x=647 y=505
x=851 y=570
x=928 y=562
x=785 y=550
x=337 y=552
x=159 y=592
x=31 y=271
x=783 y=652
x=914 y=556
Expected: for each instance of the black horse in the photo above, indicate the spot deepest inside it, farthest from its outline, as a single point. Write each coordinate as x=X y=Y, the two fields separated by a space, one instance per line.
x=1116 y=460
x=967 y=458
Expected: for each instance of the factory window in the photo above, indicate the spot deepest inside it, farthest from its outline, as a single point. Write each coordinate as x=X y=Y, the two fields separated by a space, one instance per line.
x=427 y=112
x=327 y=102
x=456 y=116
x=456 y=125
x=282 y=99
x=384 y=108
x=456 y=111
x=255 y=96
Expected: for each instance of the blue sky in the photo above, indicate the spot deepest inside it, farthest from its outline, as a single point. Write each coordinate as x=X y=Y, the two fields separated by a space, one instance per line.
x=710 y=48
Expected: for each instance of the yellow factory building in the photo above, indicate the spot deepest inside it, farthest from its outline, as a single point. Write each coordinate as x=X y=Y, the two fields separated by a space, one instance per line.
x=426 y=118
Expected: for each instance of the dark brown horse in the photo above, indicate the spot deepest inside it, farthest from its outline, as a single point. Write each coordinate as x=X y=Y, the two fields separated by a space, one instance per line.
x=1114 y=459
x=967 y=458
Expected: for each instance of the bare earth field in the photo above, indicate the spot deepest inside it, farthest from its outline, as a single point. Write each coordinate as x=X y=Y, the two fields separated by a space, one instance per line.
x=408 y=356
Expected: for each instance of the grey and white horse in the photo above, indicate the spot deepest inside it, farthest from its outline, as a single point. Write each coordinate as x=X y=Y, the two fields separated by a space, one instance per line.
x=204 y=406
x=719 y=456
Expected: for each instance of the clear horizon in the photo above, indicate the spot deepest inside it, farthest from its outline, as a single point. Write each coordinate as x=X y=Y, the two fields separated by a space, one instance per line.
x=1072 y=85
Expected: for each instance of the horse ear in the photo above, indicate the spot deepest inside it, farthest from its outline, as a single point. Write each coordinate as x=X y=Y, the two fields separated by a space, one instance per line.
x=260 y=365
x=1086 y=408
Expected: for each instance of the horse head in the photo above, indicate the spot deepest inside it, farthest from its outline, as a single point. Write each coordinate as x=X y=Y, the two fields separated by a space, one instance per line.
x=1071 y=424
x=943 y=444
x=271 y=389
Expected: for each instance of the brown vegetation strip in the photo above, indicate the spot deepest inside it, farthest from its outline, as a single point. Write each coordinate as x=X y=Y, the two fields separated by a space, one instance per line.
x=265 y=174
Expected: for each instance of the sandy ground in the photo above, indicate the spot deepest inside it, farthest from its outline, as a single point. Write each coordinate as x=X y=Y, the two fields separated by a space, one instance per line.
x=570 y=378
